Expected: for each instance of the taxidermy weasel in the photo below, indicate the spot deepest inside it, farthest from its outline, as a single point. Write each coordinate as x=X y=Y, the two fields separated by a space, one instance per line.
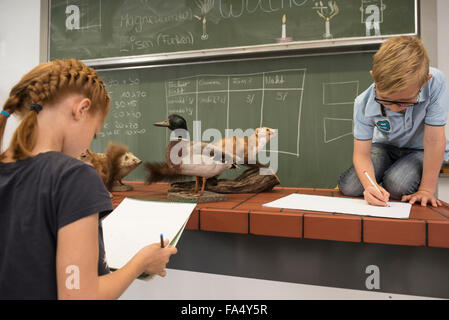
x=246 y=148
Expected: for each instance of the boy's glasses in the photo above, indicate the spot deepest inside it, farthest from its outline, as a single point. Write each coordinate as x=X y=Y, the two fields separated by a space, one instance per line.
x=398 y=103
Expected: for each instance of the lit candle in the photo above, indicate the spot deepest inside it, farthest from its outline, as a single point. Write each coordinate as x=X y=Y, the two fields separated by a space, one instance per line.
x=284 y=31
x=204 y=36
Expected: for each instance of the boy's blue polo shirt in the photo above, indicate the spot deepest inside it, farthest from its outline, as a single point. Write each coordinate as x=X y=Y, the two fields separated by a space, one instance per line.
x=407 y=130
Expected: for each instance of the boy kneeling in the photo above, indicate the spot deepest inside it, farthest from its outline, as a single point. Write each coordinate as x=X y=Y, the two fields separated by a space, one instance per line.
x=399 y=136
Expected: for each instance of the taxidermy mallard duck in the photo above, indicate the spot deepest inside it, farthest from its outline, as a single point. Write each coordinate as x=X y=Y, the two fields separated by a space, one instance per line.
x=244 y=148
x=186 y=158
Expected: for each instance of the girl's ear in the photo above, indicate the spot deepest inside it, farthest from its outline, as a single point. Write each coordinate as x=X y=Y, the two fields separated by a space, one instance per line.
x=371 y=73
x=81 y=108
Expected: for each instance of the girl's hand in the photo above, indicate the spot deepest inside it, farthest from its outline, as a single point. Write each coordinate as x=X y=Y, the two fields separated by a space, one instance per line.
x=373 y=197
x=154 y=258
x=422 y=196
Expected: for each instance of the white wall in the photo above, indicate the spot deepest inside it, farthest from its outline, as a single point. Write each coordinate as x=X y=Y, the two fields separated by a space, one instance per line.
x=443 y=41
x=19 y=47
x=443 y=38
x=443 y=64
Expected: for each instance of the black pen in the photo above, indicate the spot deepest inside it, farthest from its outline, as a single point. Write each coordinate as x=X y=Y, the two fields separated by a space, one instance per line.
x=162 y=241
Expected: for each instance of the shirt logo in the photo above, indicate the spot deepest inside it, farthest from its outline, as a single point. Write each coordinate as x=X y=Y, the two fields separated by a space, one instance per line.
x=384 y=125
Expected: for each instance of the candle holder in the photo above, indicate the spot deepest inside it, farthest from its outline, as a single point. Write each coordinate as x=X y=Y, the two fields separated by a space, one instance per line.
x=205 y=35
x=327 y=13
x=205 y=6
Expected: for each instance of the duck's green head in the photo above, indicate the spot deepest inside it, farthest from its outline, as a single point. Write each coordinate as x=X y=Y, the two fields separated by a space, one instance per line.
x=173 y=122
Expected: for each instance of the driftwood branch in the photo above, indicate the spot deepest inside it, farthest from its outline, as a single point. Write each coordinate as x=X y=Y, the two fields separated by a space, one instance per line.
x=250 y=181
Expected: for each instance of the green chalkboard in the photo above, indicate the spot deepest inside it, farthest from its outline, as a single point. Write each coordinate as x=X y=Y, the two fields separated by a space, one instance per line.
x=98 y=29
x=309 y=99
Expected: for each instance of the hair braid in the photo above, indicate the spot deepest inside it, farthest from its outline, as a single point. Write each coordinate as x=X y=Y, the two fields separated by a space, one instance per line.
x=44 y=84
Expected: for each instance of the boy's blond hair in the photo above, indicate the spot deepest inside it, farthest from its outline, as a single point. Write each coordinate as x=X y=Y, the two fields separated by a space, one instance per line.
x=400 y=62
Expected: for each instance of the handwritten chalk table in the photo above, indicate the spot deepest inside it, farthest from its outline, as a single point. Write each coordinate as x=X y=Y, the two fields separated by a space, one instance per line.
x=240 y=237
x=265 y=94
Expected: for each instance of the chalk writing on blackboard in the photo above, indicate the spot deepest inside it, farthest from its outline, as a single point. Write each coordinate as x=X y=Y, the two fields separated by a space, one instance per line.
x=327 y=12
x=344 y=92
x=235 y=9
x=279 y=94
x=336 y=128
x=338 y=94
x=125 y=111
x=205 y=6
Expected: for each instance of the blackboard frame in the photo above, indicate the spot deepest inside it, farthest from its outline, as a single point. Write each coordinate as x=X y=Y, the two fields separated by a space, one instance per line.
x=335 y=45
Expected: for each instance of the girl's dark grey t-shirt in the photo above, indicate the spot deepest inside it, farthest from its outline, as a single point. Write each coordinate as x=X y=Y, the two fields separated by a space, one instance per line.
x=38 y=196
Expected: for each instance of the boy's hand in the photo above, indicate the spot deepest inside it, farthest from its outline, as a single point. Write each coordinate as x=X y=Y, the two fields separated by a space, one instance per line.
x=374 y=198
x=422 y=196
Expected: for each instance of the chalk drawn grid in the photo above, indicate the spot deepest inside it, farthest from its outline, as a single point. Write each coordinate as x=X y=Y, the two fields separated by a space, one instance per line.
x=262 y=89
x=328 y=121
x=345 y=86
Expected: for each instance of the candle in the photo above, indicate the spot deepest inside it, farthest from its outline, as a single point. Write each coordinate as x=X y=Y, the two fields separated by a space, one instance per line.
x=204 y=36
x=284 y=31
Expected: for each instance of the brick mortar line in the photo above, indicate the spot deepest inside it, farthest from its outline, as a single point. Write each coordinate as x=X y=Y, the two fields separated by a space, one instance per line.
x=242 y=202
x=441 y=214
x=362 y=235
x=303 y=224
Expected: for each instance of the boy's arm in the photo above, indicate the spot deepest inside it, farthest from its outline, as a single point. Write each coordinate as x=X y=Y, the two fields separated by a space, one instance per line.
x=362 y=162
x=434 y=147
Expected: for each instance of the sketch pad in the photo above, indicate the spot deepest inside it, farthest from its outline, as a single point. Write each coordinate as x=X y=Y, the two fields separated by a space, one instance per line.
x=135 y=224
x=398 y=210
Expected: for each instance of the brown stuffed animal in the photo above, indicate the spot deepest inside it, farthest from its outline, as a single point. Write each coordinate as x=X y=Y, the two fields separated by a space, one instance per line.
x=113 y=165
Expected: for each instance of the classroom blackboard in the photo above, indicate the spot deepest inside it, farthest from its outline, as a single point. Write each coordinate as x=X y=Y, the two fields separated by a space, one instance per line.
x=99 y=29
x=309 y=99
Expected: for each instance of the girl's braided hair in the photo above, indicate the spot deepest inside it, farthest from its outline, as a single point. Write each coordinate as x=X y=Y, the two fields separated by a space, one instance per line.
x=45 y=84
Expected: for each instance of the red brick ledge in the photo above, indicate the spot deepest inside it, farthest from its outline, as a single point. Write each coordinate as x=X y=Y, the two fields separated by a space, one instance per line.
x=244 y=214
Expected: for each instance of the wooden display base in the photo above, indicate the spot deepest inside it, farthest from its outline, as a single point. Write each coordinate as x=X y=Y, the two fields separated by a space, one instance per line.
x=207 y=196
x=250 y=181
x=121 y=188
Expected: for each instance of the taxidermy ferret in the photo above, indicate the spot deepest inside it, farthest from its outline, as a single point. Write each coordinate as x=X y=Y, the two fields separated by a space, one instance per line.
x=112 y=165
x=247 y=147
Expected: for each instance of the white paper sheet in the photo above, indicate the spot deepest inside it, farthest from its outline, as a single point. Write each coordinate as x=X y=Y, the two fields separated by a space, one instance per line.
x=135 y=224
x=398 y=210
